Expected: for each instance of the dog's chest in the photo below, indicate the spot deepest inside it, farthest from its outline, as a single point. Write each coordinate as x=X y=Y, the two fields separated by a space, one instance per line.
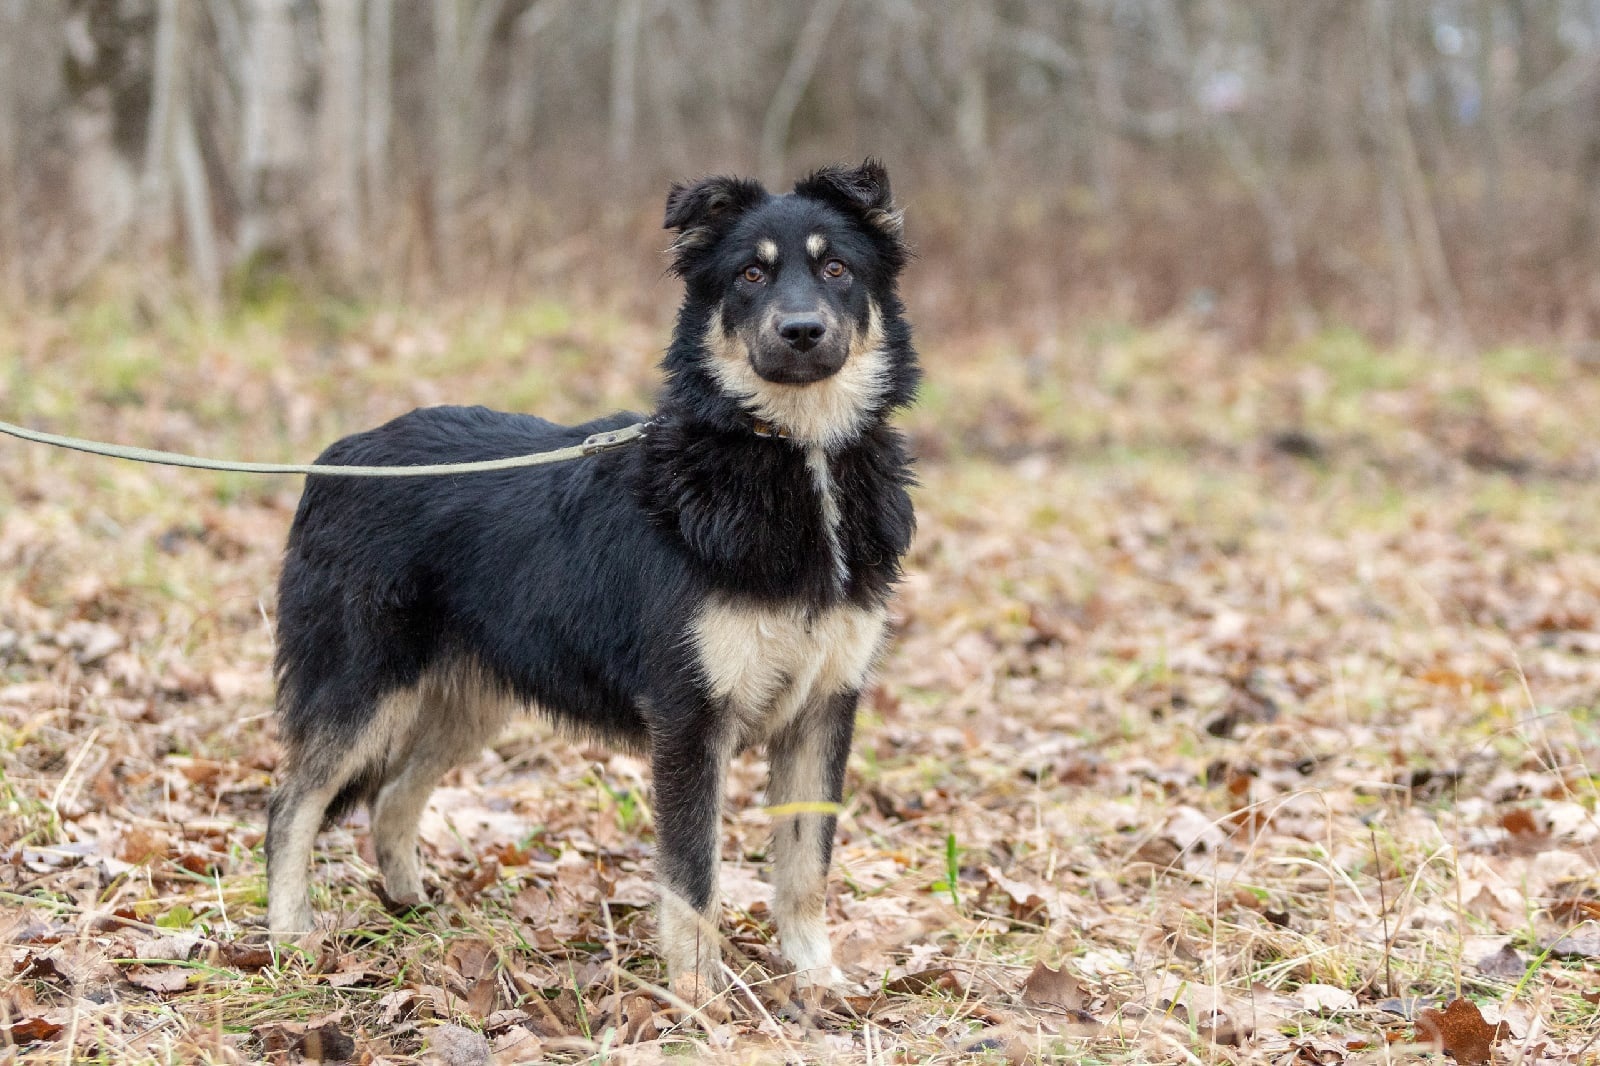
x=828 y=504
x=769 y=664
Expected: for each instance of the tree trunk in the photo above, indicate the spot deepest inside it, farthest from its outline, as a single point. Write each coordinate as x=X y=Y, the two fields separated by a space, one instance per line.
x=12 y=14
x=339 y=130
x=1489 y=137
x=802 y=63
x=173 y=162
x=273 y=143
x=1406 y=168
x=624 y=78
x=972 y=92
x=167 y=72
x=378 y=112
x=1105 y=113
x=1391 y=202
x=194 y=194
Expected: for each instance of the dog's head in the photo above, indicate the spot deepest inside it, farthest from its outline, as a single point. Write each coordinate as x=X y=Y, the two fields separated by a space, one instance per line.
x=792 y=309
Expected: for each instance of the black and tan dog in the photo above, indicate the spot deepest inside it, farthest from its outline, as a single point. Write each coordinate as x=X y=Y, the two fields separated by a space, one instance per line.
x=719 y=585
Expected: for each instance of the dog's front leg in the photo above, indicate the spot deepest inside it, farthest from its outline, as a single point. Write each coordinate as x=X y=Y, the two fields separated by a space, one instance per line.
x=689 y=765
x=808 y=761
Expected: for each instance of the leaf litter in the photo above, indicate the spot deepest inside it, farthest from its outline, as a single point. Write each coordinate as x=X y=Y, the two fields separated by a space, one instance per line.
x=1187 y=744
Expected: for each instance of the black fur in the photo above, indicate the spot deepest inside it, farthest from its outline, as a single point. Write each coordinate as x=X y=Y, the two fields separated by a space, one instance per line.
x=575 y=587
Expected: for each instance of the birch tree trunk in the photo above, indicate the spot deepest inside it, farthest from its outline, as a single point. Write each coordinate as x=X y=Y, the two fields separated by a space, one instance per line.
x=194 y=195
x=174 y=169
x=339 y=130
x=378 y=109
x=273 y=140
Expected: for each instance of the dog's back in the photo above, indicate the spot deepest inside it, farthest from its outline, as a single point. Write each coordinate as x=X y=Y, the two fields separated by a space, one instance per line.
x=387 y=581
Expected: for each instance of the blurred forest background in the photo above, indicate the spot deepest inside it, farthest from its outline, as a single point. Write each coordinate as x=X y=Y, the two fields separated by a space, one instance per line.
x=1417 y=169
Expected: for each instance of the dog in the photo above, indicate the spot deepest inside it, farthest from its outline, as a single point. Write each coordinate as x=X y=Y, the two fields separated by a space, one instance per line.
x=720 y=584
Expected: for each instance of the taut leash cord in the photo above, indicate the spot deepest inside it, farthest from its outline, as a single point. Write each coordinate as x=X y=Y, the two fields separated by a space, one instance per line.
x=597 y=442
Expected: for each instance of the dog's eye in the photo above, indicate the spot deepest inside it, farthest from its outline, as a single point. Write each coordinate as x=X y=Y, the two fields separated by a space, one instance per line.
x=833 y=268
x=754 y=275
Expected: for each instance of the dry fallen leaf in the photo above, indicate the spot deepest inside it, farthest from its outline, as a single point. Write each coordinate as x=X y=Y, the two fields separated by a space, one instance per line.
x=319 y=1040
x=1503 y=963
x=915 y=984
x=1520 y=821
x=475 y=962
x=30 y=1031
x=454 y=1045
x=39 y=966
x=398 y=1005
x=173 y=979
x=1575 y=910
x=1575 y=945
x=1045 y=987
x=244 y=956
x=166 y=948
x=1461 y=1031
x=1325 y=999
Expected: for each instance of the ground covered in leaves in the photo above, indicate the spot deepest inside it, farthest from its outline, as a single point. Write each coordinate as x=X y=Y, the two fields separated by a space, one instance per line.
x=1241 y=708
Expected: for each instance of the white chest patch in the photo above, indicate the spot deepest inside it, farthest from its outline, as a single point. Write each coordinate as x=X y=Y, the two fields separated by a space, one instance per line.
x=822 y=478
x=770 y=664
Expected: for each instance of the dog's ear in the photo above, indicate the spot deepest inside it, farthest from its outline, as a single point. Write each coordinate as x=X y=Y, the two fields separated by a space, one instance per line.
x=701 y=210
x=862 y=192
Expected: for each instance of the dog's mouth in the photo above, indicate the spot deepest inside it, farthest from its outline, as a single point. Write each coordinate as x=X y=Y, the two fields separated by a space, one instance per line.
x=782 y=371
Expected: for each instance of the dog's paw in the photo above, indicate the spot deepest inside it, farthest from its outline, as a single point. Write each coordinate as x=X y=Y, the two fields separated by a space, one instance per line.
x=702 y=993
x=290 y=923
x=402 y=903
x=826 y=978
x=813 y=999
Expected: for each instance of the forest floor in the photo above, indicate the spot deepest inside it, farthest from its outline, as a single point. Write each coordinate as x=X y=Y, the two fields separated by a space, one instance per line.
x=1241 y=708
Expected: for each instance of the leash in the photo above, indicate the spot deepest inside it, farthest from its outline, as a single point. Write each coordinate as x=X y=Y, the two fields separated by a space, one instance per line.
x=591 y=445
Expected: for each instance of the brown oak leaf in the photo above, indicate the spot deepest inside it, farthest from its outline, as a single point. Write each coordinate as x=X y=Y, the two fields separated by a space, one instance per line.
x=1460 y=1030
x=30 y=1030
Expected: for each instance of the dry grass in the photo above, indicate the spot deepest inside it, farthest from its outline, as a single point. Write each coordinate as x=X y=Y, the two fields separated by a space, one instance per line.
x=1257 y=693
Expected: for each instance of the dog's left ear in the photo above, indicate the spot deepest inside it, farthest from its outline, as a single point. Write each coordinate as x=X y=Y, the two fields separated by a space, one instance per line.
x=862 y=192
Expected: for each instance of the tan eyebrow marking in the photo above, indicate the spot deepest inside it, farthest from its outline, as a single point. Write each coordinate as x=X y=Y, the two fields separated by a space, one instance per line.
x=816 y=244
x=767 y=251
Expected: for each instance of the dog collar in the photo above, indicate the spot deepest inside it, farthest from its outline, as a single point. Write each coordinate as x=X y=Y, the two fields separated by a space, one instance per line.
x=762 y=428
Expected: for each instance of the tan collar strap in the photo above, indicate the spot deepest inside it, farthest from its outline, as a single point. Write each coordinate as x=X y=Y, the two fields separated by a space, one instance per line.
x=762 y=428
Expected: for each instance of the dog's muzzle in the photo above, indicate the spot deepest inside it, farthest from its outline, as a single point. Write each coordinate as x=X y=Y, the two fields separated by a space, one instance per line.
x=799 y=349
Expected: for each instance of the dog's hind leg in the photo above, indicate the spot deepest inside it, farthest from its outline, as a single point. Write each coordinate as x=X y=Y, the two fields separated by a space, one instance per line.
x=456 y=716
x=807 y=767
x=324 y=769
x=299 y=803
x=688 y=768
x=395 y=814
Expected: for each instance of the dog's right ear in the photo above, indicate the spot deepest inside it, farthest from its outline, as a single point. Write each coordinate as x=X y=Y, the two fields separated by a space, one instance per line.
x=701 y=211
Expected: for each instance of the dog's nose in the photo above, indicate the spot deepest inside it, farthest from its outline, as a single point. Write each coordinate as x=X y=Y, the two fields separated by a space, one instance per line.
x=801 y=332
